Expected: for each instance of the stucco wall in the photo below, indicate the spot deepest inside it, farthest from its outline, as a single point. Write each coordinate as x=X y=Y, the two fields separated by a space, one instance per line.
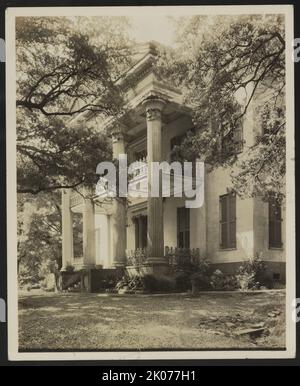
x=217 y=183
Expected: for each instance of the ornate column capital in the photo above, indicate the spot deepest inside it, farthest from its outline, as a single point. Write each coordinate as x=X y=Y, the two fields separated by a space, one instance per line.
x=116 y=130
x=117 y=136
x=154 y=107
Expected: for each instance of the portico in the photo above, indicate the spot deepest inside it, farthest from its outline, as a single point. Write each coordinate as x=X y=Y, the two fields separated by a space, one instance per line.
x=151 y=108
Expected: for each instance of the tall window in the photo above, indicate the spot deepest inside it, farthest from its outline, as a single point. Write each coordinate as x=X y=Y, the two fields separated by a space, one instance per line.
x=275 y=237
x=227 y=221
x=183 y=227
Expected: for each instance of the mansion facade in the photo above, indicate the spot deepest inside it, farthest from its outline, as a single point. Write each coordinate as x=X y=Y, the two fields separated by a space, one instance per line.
x=226 y=229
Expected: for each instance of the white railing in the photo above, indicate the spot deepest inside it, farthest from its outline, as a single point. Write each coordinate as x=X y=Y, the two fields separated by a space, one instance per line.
x=139 y=169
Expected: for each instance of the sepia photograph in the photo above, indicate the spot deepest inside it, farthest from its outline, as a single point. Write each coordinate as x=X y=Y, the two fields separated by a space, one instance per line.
x=150 y=182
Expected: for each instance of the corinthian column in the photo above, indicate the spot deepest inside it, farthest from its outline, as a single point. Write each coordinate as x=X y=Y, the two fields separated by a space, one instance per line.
x=88 y=214
x=67 y=229
x=155 y=236
x=118 y=216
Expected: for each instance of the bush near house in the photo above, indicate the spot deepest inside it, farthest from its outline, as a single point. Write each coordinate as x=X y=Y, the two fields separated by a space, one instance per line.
x=193 y=277
x=104 y=279
x=200 y=282
x=70 y=280
x=221 y=282
x=147 y=284
x=253 y=274
x=45 y=275
x=159 y=284
x=182 y=280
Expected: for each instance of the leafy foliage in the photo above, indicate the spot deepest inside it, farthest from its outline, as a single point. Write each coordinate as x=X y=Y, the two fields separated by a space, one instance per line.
x=251 y=274
x=235 y=65
x=221 y=282
x=66 y=67
x=62 y=70
x=153 y=284
x=39 y=236
x=199 y=275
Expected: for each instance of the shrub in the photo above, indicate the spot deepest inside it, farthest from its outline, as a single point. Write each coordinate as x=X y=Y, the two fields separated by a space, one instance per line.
x=200 y=276
x=265 y=278
x=221 y=282
x=48 y=283
x=26 y=277
x=251 y=273
x=182 y=279
x=136 y=284
x=200 y=282
x=203 y=266
x=122 y=283
x=191 y=276
x=152 y=283
x=130 y=284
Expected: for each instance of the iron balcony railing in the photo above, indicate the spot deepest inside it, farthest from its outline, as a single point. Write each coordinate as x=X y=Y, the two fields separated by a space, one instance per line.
x=182 y=256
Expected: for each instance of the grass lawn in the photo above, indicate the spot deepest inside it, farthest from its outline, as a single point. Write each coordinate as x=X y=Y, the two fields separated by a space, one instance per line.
x=111 y=322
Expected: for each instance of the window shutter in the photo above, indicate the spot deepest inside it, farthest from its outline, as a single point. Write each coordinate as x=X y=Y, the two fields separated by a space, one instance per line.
x=227 y=221
x=275 y=219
